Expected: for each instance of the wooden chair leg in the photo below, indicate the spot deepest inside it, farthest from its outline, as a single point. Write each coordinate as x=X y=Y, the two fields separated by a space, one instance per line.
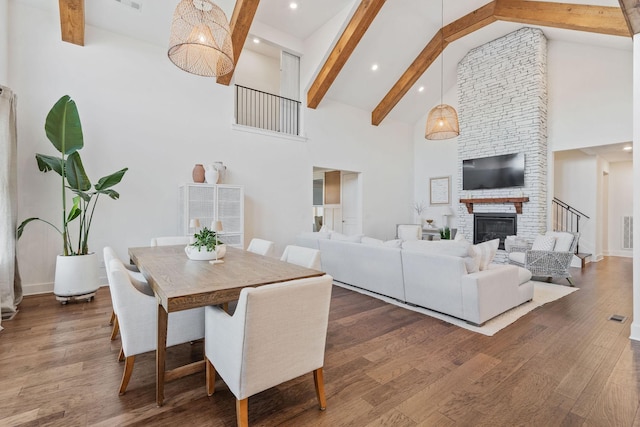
x=569 y=280
x=116 y=329
x=318 y=379
x=121 y=355
x=242 y=412
x=211 y=377
x=113 y=316
x=126 y=375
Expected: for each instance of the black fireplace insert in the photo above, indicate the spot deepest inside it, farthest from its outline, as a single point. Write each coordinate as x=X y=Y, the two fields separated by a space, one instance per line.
x=489 y=226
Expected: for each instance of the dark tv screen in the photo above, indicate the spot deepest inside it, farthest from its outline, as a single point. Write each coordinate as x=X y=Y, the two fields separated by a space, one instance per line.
x=493 y=172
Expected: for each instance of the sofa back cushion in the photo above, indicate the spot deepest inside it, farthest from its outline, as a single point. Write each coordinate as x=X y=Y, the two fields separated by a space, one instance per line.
x=344 y=238
x=457 y=248
x=395 y=243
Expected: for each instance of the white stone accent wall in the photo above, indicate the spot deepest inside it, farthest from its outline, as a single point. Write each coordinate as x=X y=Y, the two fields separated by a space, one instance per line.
x=502 y=94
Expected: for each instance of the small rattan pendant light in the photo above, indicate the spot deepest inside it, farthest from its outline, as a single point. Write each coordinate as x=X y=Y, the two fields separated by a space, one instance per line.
x=442 y=121
x=200 y=41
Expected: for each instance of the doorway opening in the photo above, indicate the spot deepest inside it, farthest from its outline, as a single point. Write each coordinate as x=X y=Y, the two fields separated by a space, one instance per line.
x=337 y=201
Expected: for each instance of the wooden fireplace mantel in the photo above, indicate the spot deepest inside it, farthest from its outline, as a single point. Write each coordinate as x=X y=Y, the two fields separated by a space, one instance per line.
x=517 y=202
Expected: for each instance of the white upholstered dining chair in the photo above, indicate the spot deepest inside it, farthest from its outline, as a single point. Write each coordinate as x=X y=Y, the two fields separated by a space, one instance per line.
x=138 y=319
x=304 y=257
x=136 y=278
x=170 y=240
x=261 y=247
x=277 y=333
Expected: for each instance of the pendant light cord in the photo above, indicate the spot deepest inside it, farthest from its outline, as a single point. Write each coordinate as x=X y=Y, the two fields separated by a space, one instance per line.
x=442 y=52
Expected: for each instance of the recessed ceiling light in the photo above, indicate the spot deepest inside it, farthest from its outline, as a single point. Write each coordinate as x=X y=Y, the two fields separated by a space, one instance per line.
x=293 y=5
x=421 y=89
x=374 y=67
x=256 y=40
x=628 y=148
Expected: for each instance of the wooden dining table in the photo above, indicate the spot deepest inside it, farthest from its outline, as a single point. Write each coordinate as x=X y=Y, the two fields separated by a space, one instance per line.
x=181 y=284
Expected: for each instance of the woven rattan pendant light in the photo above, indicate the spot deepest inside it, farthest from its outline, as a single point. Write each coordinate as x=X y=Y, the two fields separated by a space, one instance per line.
x=442 y=121
x=200 y=41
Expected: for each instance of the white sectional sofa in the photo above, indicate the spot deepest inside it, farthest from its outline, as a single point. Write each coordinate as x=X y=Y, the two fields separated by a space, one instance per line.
x=432 y=275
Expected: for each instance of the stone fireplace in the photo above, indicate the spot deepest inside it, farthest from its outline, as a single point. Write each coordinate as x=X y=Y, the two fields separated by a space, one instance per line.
x=489 y=226
x=502 y=97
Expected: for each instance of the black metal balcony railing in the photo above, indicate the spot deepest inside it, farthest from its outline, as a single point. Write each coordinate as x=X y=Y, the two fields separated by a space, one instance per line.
x=267 y=111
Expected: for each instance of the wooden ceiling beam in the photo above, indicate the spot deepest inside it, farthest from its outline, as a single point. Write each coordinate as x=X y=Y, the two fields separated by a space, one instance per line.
x=594 y=19
x=241 y=21
x=457 y=29
x=631 y=12
x=72 y=21
x=351 y=36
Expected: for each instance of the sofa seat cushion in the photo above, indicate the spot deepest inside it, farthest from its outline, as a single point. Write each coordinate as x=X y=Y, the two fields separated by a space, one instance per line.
x=461 y=248
x=524 y=275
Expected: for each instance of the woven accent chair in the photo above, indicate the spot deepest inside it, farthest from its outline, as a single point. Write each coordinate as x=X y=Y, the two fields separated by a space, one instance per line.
x=277 y=333
x=261 y=247
x=138 y=318
x=550 y=264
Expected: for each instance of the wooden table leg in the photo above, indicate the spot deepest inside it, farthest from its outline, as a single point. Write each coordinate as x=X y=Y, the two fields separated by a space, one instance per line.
x=161 y=351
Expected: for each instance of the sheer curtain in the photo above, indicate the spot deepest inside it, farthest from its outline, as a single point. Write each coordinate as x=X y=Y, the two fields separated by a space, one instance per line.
x=10 y=286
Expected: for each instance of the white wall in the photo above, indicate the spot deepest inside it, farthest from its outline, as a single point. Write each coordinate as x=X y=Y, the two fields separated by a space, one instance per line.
x=139 y=110
x=590 y=97
x=635 y=326
x=4 y=42
x=620 y=204
x=257 y=71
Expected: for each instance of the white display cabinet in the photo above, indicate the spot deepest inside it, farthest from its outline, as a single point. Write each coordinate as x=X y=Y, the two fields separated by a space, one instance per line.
x=208 y=203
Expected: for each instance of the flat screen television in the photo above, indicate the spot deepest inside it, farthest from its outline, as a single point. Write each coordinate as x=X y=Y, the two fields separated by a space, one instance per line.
x=502 y=171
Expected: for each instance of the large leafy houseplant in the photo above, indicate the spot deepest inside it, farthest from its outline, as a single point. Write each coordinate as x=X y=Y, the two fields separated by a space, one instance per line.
x=64 y=130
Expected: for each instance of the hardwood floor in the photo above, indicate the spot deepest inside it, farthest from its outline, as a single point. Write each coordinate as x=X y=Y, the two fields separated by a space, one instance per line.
x=563 y=364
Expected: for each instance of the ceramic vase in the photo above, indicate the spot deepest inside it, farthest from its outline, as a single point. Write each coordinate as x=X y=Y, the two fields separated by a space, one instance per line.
x=211 y=175
x=198 y=173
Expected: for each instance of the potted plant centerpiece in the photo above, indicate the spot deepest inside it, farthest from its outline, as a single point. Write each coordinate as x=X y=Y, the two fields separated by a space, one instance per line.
x=206 y=246
x=76 y=268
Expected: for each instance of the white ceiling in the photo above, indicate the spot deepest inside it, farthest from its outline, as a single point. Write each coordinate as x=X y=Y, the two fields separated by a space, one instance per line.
x=397 y=35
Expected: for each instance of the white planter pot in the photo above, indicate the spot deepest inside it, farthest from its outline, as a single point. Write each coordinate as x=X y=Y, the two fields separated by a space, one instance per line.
x=76 y=275
x=203 y=254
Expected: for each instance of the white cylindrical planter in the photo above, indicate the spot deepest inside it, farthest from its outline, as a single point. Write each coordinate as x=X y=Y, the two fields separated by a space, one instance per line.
x=76 y=276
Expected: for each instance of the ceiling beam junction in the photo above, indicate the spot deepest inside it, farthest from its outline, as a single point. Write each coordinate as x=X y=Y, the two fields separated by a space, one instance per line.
x=595 y=19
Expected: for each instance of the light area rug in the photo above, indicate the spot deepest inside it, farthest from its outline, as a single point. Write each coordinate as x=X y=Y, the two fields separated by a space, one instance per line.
x=543 y=293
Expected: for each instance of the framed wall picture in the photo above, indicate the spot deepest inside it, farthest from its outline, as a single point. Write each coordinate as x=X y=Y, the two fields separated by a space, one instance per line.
x=440 y=191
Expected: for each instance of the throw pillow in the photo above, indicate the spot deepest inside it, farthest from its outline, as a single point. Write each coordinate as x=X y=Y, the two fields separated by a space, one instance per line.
x=543 y=243
x=343 y=237
x=485 y=252
x=563 y=240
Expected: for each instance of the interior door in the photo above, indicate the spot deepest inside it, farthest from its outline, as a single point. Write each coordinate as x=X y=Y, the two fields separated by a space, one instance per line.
x=351 y=223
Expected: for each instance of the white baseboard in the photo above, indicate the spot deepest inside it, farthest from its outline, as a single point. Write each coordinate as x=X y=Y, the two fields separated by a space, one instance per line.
x=624 y=254
x=45 y=288
x=635 y=331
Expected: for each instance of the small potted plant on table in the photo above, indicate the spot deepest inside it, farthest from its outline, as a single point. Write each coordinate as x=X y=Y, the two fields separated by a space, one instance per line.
x=206 y=246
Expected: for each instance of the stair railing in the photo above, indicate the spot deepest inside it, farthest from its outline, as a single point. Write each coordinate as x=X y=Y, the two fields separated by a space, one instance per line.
x=566 y=218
